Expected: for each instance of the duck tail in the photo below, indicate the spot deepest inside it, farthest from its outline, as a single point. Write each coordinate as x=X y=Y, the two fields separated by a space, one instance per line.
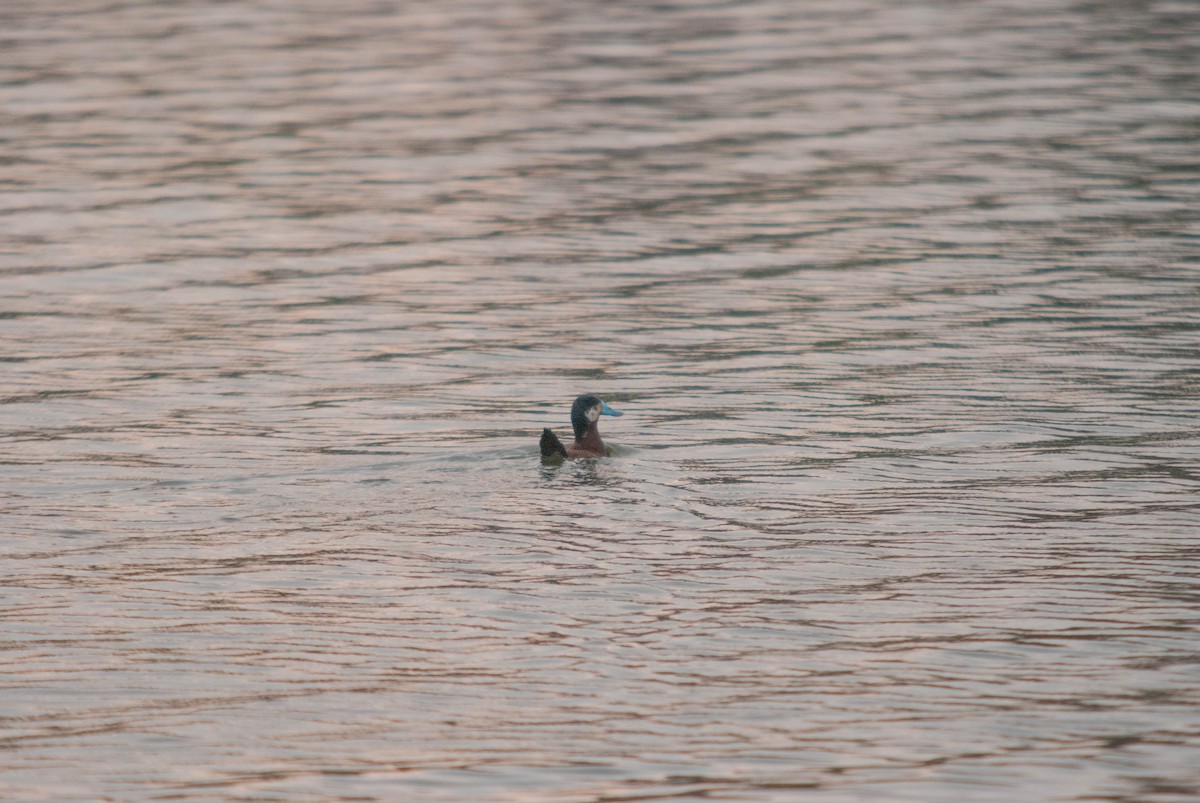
x=552 y=448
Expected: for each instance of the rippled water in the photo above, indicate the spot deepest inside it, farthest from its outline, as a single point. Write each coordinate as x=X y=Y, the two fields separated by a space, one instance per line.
x=902 y=302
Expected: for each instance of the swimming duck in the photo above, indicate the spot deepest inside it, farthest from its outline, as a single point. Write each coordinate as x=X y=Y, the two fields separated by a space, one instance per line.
x=585 y=412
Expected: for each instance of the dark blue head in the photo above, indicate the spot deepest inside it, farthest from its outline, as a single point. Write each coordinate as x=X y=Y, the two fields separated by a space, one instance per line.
x=586 y=409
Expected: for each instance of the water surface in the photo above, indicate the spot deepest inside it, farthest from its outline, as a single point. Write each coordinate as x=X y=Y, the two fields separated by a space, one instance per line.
x=901 y=300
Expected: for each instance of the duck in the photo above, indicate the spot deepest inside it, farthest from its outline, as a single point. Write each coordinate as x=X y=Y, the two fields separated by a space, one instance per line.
x=585 y=413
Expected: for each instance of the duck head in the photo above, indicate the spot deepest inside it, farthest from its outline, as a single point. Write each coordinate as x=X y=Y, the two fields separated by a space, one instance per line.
x=586 y=410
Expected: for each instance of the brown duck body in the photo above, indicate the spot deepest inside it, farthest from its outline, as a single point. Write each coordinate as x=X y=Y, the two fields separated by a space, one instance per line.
x=589 y=445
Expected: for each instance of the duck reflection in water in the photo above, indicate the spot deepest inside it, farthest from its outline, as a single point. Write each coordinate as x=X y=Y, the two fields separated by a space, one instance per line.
x=585 y=413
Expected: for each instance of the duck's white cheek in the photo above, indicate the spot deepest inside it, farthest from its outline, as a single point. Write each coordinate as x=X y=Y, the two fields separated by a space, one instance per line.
x=594 y=413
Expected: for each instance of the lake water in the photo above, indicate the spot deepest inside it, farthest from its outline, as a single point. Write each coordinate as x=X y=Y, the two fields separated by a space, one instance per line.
x=901 y=301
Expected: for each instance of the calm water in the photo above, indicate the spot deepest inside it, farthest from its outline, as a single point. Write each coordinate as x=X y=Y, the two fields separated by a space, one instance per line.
x=901 y=299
